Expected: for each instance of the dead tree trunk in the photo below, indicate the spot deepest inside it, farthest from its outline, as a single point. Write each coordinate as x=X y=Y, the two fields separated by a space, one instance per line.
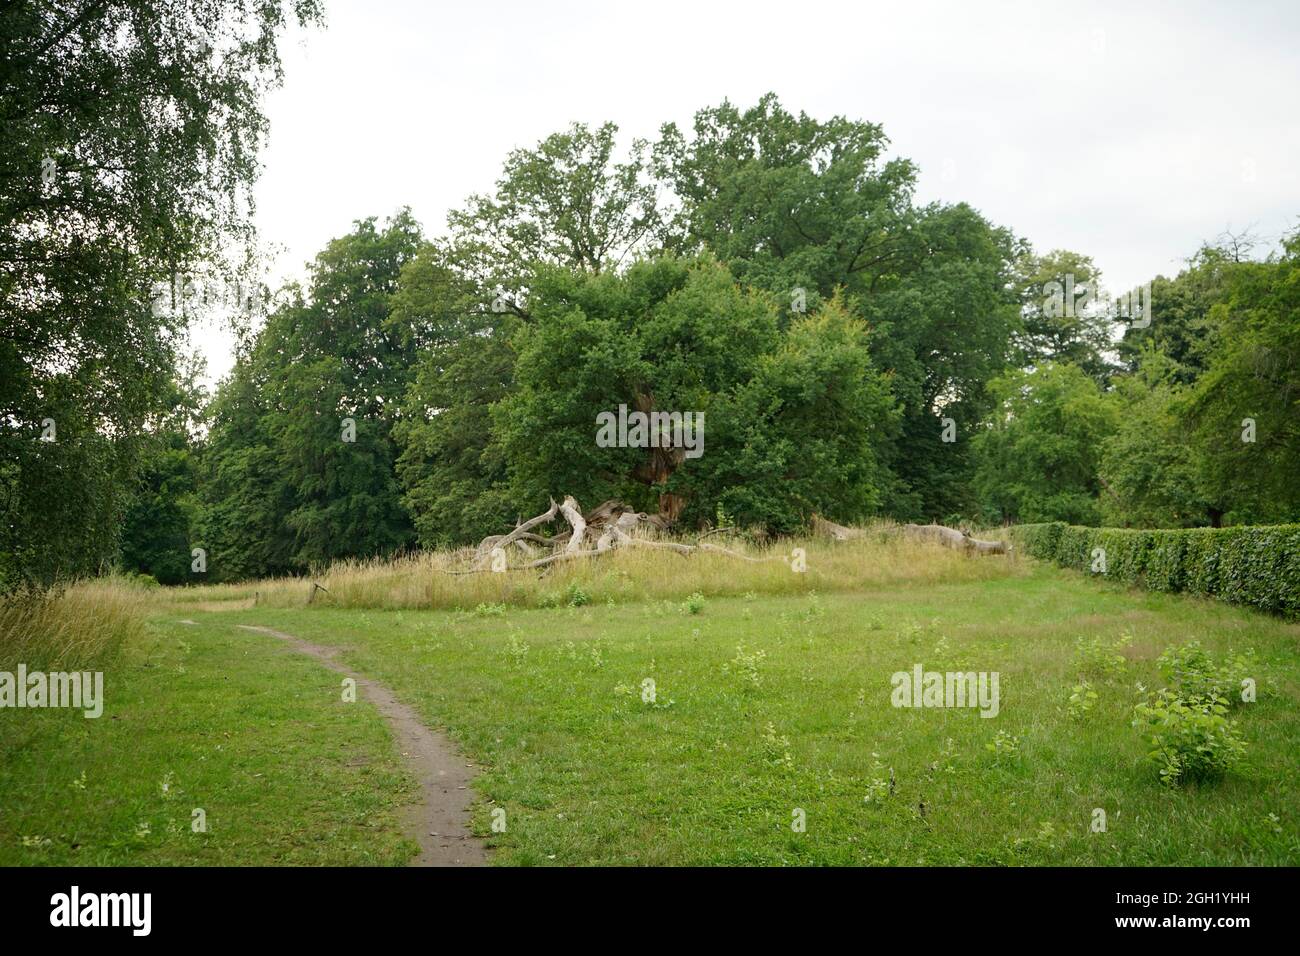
x=949 y=537
x=952 y=538
x=612 y=524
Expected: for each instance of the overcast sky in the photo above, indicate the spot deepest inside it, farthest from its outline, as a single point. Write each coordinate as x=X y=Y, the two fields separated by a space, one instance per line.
x=1127 y=131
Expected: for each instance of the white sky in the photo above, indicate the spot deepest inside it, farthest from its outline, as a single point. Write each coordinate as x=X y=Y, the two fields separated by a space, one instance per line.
x=1127 y=134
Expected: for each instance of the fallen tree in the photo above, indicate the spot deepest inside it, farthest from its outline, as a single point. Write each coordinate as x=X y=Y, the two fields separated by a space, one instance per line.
x=953 y=538
x=949 y=537
x=610 y=525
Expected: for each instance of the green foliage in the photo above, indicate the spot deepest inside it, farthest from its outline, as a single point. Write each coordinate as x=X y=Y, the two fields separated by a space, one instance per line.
x=1191 y=739
x=746 y=665
x=1082 y=700
x=1181 y=332
x=1255 y=566
x=577 y=597
x=1102 y=659
x=1194 y=673
x=792 y=203
x=301 y=458
x=245 y=493
x=694 y=603
x=453 y=480
x=1036 y=460
x=1240 y=414
x=1004 y=746
x=161 y=510
x=131 y=138
x=774 y=461
x=567 y=203
x=681 y=336
x=1147 y=466
x=1061 y=318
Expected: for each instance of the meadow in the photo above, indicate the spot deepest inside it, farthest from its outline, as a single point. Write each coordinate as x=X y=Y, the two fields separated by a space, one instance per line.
x=649 y=709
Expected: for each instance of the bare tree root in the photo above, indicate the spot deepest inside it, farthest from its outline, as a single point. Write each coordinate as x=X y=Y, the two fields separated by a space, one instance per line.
x=612 y=524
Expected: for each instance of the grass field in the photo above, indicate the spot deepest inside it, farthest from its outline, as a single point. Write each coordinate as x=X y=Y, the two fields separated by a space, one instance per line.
x=767 y=701
x=202 y=716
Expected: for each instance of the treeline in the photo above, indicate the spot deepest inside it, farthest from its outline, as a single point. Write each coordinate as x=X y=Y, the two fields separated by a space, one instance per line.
x=853 y=353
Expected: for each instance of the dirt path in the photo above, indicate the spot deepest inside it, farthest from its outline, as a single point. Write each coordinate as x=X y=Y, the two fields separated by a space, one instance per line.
x=440 y=821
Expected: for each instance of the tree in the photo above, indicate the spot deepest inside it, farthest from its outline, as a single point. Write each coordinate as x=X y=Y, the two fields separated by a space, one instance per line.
x=131 y=136
x=1241 y=412
x=801 y=208
x=453 y=478
x=161 y=508
x=787 y=201
x=1063 y=317
x=302 y=454
x=680 y=336
x=803 y=436
x=568 y=202
x=1181 y=329
x=1036 y=457
x=1148 y=468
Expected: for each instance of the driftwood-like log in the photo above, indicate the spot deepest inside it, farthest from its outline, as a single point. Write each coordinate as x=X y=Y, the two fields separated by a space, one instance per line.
x=576 y=521
x=949 y=537
x=685 y=549
x=829 y=529
x=952 y=538
x=616 y=523
x=490 y=543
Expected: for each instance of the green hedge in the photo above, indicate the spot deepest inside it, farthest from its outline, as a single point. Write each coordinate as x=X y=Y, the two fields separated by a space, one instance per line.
x=1259 y=566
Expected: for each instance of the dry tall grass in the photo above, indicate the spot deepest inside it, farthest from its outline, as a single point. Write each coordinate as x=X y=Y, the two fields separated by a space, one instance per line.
x=86 y=623
x=623 y=575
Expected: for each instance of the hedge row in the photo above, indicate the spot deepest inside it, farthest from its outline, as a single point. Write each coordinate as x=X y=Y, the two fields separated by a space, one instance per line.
x=1259 y=566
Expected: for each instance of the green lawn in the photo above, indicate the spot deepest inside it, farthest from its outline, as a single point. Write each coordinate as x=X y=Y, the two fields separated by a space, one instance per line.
x=203 y=716
x=711 y=773
x=550 y=702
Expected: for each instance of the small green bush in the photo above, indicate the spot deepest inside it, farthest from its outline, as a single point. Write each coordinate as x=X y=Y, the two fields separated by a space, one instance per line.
x=1195 y=674
x=1191 y=740
x=1098 y=658
x=1082 y=699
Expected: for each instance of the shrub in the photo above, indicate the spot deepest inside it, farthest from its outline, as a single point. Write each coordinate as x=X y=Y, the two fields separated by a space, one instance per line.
x=1082 y=699
x=1191 y=740
x=1256 y=566
x=1101 y=659
x=745 y=665
x=1004 y=745
x=1195 y=674
x=1164 y=567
